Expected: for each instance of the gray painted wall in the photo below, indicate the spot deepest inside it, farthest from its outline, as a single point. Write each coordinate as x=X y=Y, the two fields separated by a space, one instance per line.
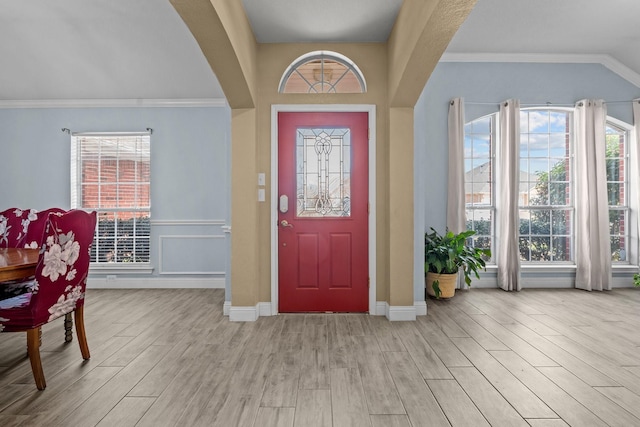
x=487 y=84
x=190 y=175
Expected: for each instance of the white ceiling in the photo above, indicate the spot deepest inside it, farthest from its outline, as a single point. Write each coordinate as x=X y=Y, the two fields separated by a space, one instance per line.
x=571 y=30
x=123 y=49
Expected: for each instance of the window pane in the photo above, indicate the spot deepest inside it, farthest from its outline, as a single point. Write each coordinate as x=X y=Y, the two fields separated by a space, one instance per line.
x=616 y=221
x=525 y=253
x=615 y=193
x=540 y=248
x=540 y=222
x=559 y=193
x=561 y=222
x=618 y=249
x=561 y=248
x=324 y=172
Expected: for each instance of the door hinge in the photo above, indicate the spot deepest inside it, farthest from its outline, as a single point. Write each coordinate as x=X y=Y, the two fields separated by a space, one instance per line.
x=369 y=282
x=368 y=208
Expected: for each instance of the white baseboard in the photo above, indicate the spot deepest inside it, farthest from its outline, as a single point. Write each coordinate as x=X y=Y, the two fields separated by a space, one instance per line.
x=226 y=308
x=264 y=309
x=400 y=313
x=244 y=314
x=421 y=308
x=380 y=308
x=155 y=282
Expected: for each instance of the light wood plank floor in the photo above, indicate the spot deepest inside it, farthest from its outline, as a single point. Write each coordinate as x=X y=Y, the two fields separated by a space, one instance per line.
x=487 y=357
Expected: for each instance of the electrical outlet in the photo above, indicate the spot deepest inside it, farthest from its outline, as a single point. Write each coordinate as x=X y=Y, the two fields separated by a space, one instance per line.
x=261 y=178
x=111 y=277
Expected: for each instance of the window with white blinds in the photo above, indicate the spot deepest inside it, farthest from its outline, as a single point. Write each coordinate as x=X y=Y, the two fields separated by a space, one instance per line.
x=110 y=174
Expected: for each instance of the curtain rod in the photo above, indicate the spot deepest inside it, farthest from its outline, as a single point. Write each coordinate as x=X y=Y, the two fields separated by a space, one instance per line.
x=549 y=104
x=67 y=130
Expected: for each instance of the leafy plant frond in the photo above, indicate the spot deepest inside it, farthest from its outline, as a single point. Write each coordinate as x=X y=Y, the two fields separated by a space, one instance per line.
x=449 y=253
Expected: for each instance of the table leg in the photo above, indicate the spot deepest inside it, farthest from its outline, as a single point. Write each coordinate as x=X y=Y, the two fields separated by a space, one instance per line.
x=68 y=324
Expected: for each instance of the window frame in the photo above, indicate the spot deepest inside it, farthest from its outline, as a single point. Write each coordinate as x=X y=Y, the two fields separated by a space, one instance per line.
x=77 y=185
x=624 y=129
x=472 y=206
x=570 y=181
x=322 y=56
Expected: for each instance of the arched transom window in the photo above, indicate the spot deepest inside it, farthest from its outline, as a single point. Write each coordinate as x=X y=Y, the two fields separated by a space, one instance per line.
x=322 y=72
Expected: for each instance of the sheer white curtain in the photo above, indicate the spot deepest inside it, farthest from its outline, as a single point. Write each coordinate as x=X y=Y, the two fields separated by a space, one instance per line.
x=634 y=149
x=593 y=243
x=456 y=214
x=507 y=185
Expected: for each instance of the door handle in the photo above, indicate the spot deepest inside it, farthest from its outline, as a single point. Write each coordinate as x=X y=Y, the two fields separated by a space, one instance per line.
x=285 y=223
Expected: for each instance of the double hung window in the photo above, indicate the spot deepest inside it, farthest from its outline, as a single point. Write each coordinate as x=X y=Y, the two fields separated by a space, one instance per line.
x=546 y=185
x=110 y=173
x=617 y=190
x=479 y=179
x=545 y=196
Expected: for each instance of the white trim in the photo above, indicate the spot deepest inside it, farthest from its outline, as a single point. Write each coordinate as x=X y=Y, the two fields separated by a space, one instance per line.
x=120 y=268
x=400 y=313
x=367 y=108
x=421 y=308
x=226 y=308
x=112 y=103
x=188 y=222
x=264 y=309
x=605 y=60
x=381 y=308
x=114 y=282
x=244 y=314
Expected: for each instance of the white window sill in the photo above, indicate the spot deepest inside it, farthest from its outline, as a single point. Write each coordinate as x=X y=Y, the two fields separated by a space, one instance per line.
x=120 y=268
x=564 y=268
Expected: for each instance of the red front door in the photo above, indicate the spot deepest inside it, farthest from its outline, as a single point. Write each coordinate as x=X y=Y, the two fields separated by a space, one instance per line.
x=323 y=212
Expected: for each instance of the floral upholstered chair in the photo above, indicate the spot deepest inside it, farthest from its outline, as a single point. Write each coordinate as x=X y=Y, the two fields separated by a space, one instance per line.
x=35 y=228
x=22 y=229
x=58 y=286
x=14 y=223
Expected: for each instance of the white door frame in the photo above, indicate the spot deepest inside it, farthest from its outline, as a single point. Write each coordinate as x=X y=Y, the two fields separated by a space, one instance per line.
x=367 y=108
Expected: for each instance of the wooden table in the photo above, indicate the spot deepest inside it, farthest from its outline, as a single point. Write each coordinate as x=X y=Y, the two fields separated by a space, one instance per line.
x=20 y=263
x=17 y=263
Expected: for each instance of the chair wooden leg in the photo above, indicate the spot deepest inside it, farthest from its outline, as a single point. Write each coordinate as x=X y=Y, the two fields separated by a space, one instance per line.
x=68 y=323
x=33 y=348
x=80 y=332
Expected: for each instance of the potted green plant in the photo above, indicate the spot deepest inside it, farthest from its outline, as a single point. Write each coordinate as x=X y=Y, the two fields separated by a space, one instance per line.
x=445 y=255
x=636 y=280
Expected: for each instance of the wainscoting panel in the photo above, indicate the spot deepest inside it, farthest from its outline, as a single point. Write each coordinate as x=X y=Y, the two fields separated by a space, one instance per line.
x=192 y=254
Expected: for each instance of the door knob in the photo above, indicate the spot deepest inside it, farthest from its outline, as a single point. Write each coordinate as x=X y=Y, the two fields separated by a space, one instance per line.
x=285 y=223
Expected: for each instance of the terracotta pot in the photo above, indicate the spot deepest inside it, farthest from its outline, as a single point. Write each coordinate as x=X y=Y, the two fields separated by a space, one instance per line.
x=447 y=283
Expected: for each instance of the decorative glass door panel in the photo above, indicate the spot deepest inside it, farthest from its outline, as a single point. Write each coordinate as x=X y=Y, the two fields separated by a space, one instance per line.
x=323 y=172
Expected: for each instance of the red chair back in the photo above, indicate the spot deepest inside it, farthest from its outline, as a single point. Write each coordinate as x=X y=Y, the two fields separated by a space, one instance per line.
x=33 y=236
x=63 y=267
x=14 y=223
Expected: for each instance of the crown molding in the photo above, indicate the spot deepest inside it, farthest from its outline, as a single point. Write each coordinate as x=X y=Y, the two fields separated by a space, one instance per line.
x=606 y=60
x=112 y=103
